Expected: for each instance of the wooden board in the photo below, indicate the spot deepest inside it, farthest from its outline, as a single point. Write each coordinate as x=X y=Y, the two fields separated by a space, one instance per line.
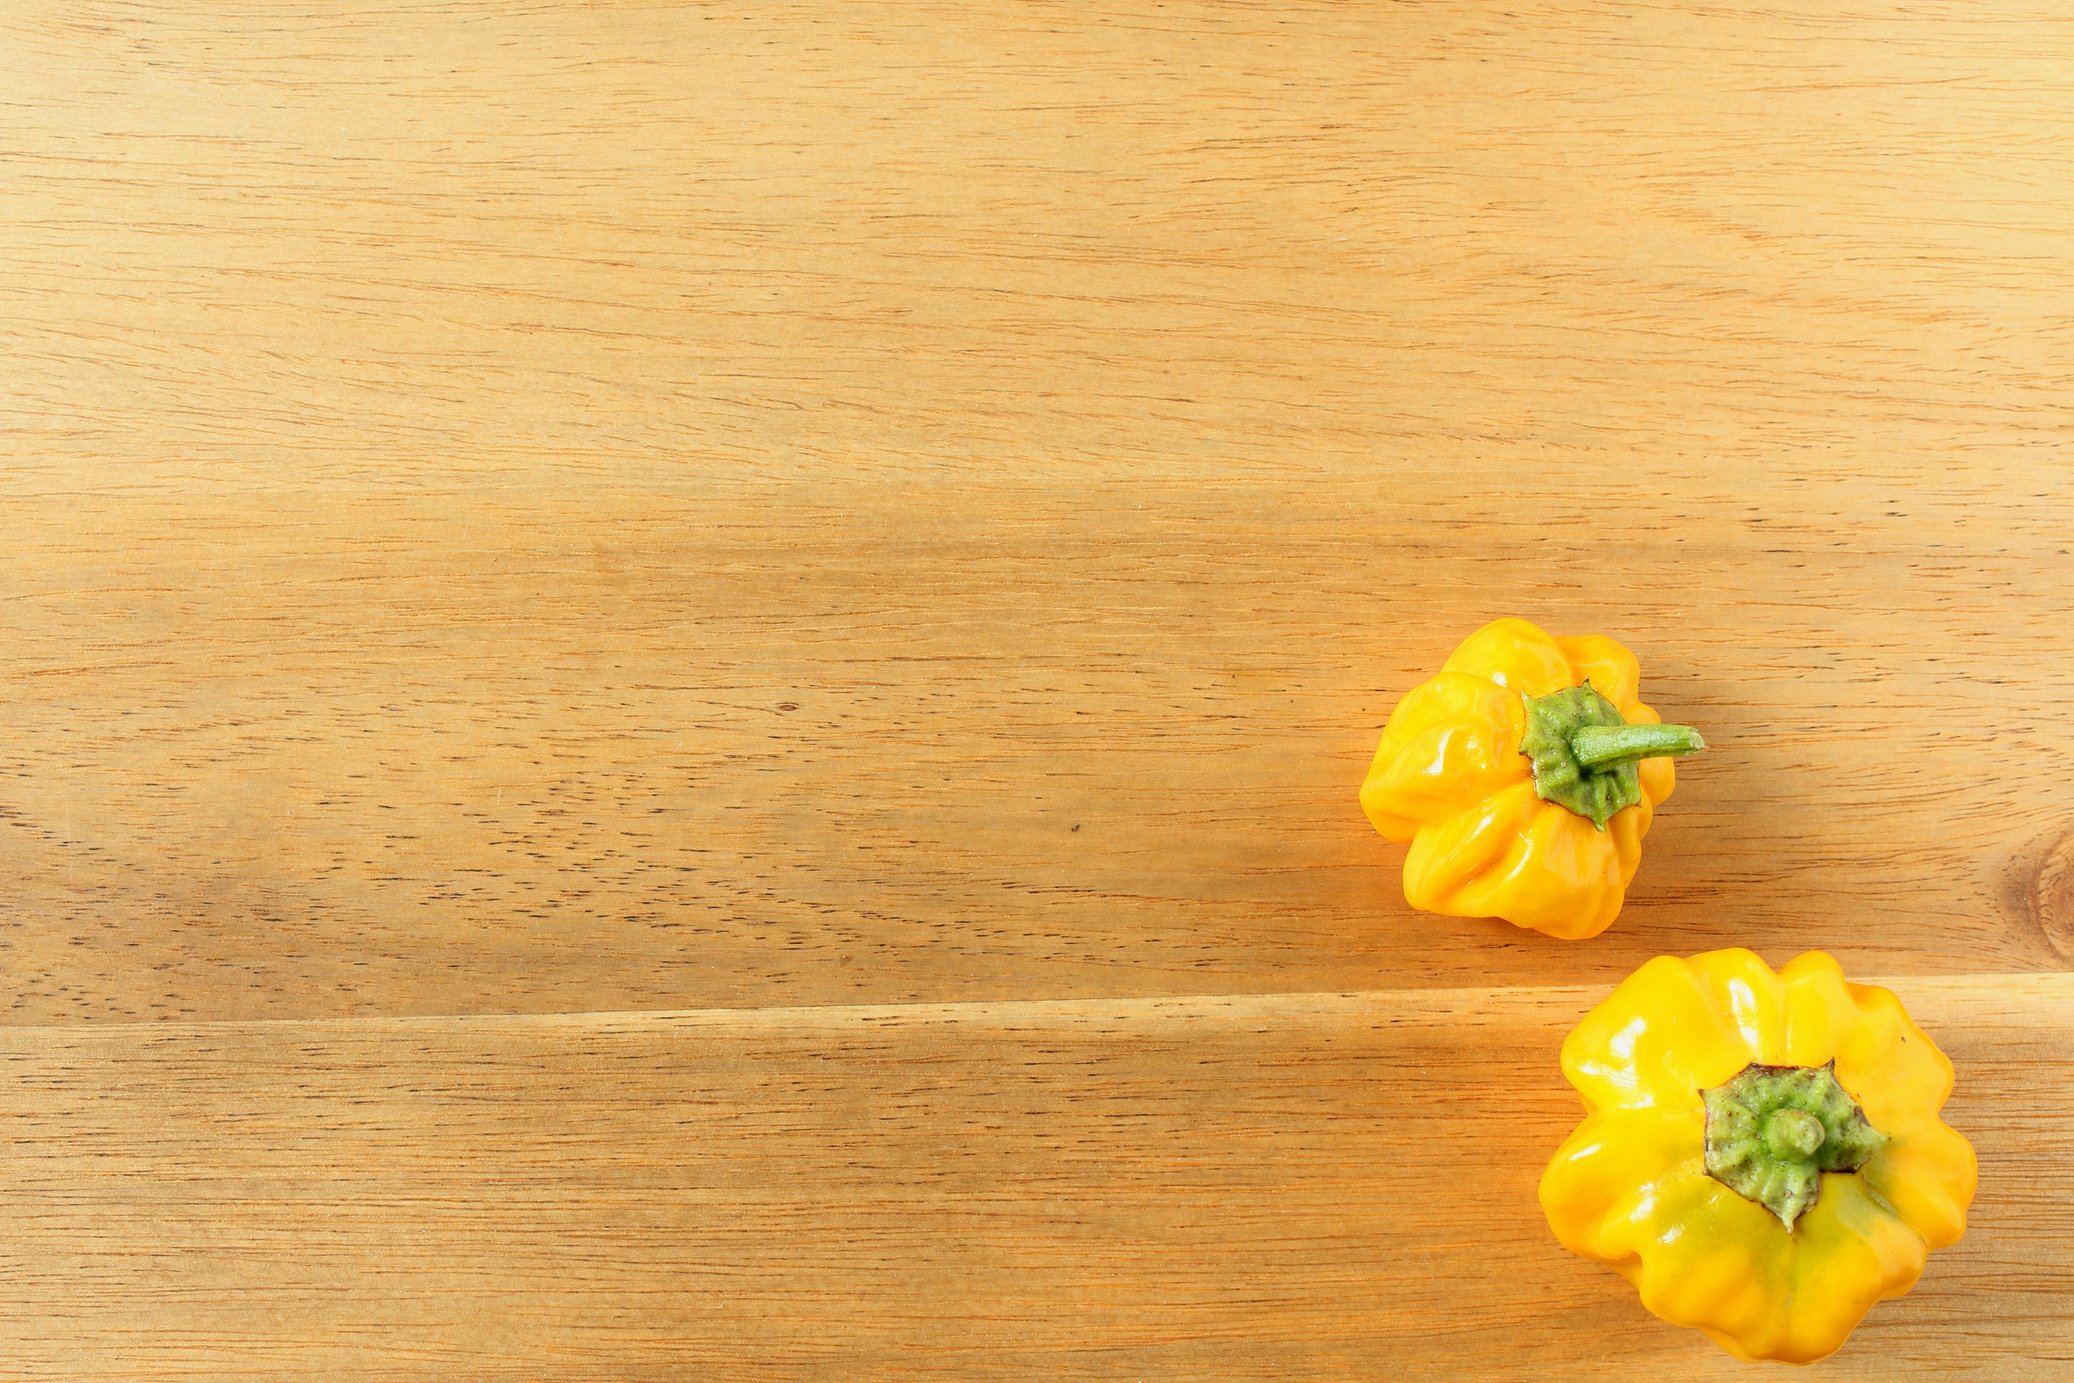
x=685 y=683
x=1281 y=1186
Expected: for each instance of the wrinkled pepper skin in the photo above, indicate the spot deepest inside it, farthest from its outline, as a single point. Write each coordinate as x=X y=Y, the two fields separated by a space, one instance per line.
x=1449 y=777
x=1631 y=1187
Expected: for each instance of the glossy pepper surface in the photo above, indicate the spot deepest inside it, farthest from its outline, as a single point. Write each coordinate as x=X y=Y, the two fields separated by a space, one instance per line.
x=1524 y=775
x=1762 y=1154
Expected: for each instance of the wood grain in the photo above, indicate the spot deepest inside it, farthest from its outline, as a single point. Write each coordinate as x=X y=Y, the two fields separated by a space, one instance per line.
x=1183 y=1188
x=611 y=506
x=454 y=754
x=685 y=682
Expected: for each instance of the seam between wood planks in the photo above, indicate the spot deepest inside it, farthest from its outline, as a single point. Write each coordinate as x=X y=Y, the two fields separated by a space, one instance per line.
x=1383 y=1004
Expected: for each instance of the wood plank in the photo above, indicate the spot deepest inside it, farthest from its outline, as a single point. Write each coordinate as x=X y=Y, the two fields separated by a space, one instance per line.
x=737 y=746
x=1199 y=237
x=1252 y=1187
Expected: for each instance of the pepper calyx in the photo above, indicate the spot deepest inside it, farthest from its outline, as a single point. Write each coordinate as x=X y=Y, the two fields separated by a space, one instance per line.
x=1772 y=1131
x=1585 y=755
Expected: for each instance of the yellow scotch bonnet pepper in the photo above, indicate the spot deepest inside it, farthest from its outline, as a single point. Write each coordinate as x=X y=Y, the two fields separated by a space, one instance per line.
x=1525 y=775
x=1762 y=1154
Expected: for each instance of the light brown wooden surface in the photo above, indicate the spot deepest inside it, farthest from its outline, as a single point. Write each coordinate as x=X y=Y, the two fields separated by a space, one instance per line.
x=685 y=683
x=1090 y=1188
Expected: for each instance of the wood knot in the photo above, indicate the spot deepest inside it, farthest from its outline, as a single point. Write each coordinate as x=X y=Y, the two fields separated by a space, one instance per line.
x=2052 y=898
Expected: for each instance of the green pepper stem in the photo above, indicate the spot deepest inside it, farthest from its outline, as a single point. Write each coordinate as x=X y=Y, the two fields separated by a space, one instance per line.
x=1595 y=746
x=1791 y=1132
x=1773 y=1132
